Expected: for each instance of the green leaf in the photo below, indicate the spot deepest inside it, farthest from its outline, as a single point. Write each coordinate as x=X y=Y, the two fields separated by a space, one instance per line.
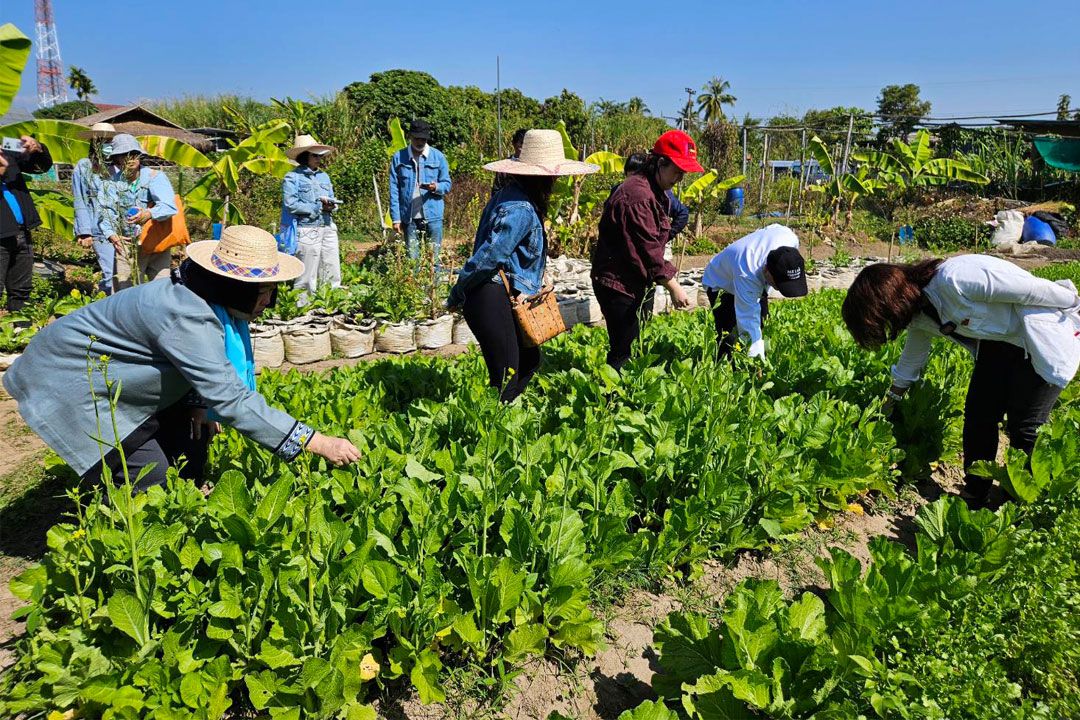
x=425 y=678
x=30 y=584
x=14 y=51
x=129 y=617
x=175 y=151
x=381 y=579
x=569 y=150
x=56 y=210
x=64 y=139
x=610 y=163
x=274 y=502
x=360 y=712
x=397 y=137
x=806 y=617
x=230 y=495
x=648 y=710
x=528 y=639
x=261 y=688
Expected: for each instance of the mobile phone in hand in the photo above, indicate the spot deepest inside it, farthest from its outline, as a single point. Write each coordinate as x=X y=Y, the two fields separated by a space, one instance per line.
x=13 y=145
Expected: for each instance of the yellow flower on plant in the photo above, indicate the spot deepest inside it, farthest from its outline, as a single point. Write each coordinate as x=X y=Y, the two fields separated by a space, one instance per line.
x=369 y=667
x=79 y=534
x=855 y=508
x=75 y=293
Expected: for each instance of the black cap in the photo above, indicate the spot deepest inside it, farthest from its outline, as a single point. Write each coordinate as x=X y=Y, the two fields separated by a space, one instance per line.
x=420 y=129
x=788 y=270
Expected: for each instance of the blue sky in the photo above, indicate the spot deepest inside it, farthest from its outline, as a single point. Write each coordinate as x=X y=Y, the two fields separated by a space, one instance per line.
x=969 y=57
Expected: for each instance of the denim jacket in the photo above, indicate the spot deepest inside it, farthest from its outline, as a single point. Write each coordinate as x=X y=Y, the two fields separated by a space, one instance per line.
x=510 y=236
x=301 y=191
x=85 y=190
x=434 y=169
x=116 y=195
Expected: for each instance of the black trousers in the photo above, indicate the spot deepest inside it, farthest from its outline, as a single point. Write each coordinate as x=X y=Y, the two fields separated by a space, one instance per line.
x=1004 y=385
x=623 y=315
x=162 y=440
x=487 y=311
x=16 y=269
x=724 y=319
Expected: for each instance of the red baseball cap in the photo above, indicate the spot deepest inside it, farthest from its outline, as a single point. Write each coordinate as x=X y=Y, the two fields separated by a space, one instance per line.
x=680 y=148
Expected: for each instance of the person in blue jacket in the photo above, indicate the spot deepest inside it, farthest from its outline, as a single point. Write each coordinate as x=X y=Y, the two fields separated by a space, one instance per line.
x=419 y=180
x=509 y=255
x=85 y=189
x=308 y=200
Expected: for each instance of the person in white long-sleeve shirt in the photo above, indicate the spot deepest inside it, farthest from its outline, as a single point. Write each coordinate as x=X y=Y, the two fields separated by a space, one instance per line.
x=743 y=272
x=1023 y=331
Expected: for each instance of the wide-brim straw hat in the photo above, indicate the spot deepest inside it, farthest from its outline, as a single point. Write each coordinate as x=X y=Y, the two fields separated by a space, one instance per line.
x=306 y=143
x=247 y=254
x=542 y=154
x=101 y=130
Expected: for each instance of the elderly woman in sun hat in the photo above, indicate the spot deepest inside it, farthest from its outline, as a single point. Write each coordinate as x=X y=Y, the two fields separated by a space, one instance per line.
x=85 y=189
x=511 y=238
x=175 y=348
x=126 y=186
x=634 y=228
x=308 y=203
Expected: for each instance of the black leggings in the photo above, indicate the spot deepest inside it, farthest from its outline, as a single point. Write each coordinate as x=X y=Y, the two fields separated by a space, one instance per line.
x=623 y=315
x=162 y=440
x=1004 y=385
x=725 y=321
x=487 y=311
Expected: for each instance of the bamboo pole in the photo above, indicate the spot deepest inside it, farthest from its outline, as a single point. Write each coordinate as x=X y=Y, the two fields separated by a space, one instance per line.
x=744 y=150
x=803 y=174
x=378 y=204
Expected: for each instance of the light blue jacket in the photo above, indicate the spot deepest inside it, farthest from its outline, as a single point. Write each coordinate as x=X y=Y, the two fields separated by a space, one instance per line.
x=300 y=193
x=85 y=188
x=510 y=236
x=162 y=341
x=433 y=169
x=116 y=195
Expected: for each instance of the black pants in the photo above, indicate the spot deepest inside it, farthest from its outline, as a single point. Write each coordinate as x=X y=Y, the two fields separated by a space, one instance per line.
x=623 y=315
x=1004 y=385
x=16 y=269
x=162 y=440
x=725 y=321
x=487 y=311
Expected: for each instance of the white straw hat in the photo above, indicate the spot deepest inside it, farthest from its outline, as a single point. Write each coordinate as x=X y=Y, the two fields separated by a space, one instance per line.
x=99 y=130
x=245 y=253
x=542 y=154
x=306 y=143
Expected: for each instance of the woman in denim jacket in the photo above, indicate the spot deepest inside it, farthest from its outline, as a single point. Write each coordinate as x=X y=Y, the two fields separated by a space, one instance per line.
x=511 y=238
x=988 y=306
x=308 y=197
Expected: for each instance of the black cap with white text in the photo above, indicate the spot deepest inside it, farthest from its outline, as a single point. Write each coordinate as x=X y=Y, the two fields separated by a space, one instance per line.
x=788 y=270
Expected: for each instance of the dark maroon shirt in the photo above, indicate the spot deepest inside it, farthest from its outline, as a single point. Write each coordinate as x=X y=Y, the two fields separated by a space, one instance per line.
x=629 y=255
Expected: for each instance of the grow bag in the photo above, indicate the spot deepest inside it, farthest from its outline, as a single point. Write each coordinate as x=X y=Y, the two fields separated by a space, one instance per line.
x=306 y=343
x=352 y=339
x=267 y=346
x=437 y=333
x=463 y=334
x=396 y=337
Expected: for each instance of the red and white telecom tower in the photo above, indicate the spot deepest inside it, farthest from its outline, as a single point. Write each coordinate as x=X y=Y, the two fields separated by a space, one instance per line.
x=50 y=71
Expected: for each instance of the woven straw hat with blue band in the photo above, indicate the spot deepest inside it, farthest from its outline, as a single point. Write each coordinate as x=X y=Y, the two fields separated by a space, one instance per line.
x=246 y=253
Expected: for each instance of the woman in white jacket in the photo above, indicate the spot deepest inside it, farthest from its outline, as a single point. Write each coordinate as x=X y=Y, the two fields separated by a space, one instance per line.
x=1021 y=329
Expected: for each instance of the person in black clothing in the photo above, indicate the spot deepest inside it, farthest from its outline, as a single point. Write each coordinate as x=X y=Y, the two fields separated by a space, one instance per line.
x=18 y=217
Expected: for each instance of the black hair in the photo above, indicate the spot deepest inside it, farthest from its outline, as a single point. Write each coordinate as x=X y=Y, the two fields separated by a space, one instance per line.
x=634 y=163
x=519 y=136
x=538 y=189
x=653 y=164
x=220 y=290
x=302 y=158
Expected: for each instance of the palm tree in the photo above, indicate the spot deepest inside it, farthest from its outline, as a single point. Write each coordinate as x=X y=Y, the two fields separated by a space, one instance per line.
x=81 y=83
x=714 y=96
x=637 y=106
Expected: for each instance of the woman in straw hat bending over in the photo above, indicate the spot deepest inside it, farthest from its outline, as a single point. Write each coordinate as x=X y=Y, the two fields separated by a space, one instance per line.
x=635 y=227
x=511 y=238
x=308 y=197
x=175 y=349
x=85 y=189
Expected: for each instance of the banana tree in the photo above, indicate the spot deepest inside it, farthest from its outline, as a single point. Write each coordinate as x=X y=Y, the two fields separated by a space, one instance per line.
x=257 y=154
x=297 y=113
x=570 y=191
x=706 y=188
x=914 y=165
x=14 y=51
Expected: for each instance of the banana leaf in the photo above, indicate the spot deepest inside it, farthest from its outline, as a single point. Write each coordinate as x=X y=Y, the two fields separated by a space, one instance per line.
x=397 y=137
x=64 y=139
x=56 y=210
x=941 y=170
x=174 y=151
x=610 y=163
x=14 y=51
x=267 y=166
x=569 y=150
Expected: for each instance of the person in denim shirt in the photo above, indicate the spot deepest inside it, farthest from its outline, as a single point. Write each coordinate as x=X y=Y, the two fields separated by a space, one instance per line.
x=126 y=185
x=419 y=179
x=308 y=195
x=511 y=238
x=85 y=188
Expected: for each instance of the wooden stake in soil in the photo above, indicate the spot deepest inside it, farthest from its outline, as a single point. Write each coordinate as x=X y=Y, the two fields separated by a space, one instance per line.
x=891 y=238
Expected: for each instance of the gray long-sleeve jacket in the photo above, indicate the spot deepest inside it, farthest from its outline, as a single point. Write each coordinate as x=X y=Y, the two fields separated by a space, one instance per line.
x=162 y=341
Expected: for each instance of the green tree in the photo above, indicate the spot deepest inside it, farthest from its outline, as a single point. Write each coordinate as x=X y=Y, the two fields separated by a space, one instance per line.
x=900 y=110
x=831 y=124
x=637 y=106
x=405 y=94
x=571 y=109
x=71 y=110
x=1064 y=103
x=715 y=94
x=81 y=83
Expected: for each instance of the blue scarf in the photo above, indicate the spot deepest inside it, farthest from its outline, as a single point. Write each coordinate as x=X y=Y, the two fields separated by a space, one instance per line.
x=237 y=348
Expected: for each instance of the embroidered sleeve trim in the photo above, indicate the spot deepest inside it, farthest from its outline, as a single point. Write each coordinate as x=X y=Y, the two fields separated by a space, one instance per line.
x=295 y=441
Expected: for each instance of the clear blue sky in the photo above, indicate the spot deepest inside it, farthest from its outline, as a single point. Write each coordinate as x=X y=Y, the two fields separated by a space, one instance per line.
x=969 y=57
